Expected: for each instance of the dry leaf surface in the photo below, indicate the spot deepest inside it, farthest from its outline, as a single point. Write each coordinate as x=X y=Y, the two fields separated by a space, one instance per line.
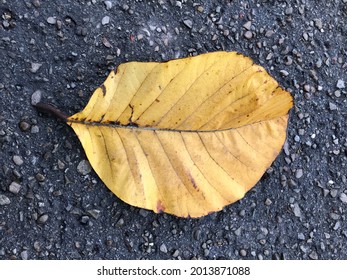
x=186 y=136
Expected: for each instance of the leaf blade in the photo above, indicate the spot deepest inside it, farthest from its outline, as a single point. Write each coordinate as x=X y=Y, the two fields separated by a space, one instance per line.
x=161 y=143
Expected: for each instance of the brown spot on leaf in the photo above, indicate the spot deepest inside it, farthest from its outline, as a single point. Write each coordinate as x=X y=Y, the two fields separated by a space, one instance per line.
x=102 y=117
x=103 y=88
x=113 y=122
x=193 y=181
x=160 y=206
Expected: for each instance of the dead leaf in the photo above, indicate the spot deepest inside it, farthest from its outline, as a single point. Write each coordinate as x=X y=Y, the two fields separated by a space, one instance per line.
x=186 y=136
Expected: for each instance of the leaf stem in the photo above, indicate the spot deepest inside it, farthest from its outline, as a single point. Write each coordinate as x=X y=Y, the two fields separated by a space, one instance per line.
x=50 y=109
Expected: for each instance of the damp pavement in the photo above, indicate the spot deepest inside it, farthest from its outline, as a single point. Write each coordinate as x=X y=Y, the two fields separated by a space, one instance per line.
x=54 y=206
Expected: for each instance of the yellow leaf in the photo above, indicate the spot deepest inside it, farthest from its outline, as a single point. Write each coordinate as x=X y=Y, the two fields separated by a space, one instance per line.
x=187 y=136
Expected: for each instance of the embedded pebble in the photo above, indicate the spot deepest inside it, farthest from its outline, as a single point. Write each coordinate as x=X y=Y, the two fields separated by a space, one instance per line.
x=36 y=97
x=297 y=210
x=343 y=197
x=42 y=219
x=52 y=20
x=301 y=236
x=332 y=106
x=18 y=160
x=298 y=173
x=105 y=20
x=85 y=219
x=248 y=25
x=188 y=23
x=35 y=67
x=340 y=84
x=313 y=255
x=248 y=34
x=24 y=126
x=108 y=5
x=289 y=11
x=268 y=202
x=14 y=187
x=84 y=167
x=243 y=253
x=176 y=253
x=237 y=232
x=4 y=200
x=163 y=248
x=24 y=255
x=95 y=213
x=318 y=23
x=144 y=213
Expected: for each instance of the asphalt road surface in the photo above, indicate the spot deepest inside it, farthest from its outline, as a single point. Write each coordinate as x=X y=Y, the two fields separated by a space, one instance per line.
x=54 y=206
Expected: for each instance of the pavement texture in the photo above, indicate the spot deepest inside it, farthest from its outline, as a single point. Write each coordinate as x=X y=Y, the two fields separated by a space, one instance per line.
x=53 y=206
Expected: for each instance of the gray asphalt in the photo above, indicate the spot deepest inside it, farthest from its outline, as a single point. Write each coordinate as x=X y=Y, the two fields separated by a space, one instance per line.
x=53 y=206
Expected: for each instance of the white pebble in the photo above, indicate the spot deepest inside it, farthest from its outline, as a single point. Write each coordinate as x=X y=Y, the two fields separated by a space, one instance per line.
x=105 y=20
x=343 y=197
x=108 y=5
x=14 y=187
x=340 y=84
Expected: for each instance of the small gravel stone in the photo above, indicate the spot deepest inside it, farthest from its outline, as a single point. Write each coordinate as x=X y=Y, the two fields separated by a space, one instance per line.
x=313 y=255
x=34 y=129
x=243 y=253
x=84 y=219
x=4 y=200
x=163 y=248
x=197 y=234
x=318 y=23
x=332 y=106
x=51 y=20
x=37 y=246
x=176 y=253
x=206 y=252
x=298 y=173
x=42 y=219
x=301 y=236
x=18 y=160
x=248 y=34
x=268 y=202
x=120 y=222
x=35 y=67
x=289 y=11
x=105 y=20
x=24 y=126
x=95 y=213
x=40 y=177
x=343 y=197
x=340 y=84
x=248 y=25
x=106 y=42
x=188 y=23
x=36 y=97
x=144 y=213
x=108 y=5
x=269 y=33
x=24 y=255
x=296 y=210
x=238 y=231
x=284 y=73
x=14 y=187
x=333 y=192
x=84 y=167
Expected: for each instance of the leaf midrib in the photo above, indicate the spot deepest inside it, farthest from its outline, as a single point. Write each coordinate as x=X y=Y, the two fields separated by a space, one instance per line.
x=134 y=127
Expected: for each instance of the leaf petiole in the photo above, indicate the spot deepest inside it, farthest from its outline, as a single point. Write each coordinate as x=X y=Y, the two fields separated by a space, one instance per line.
x=50 y=109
